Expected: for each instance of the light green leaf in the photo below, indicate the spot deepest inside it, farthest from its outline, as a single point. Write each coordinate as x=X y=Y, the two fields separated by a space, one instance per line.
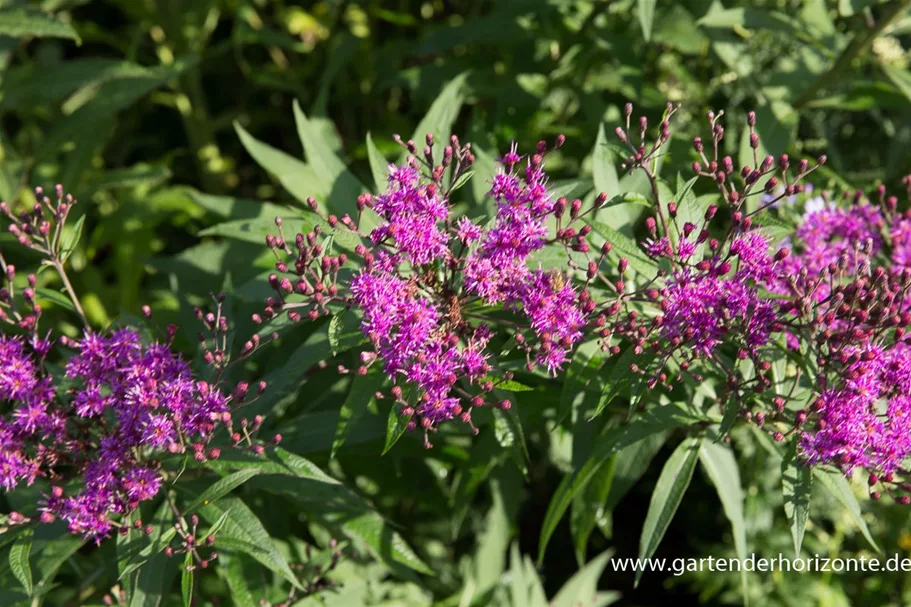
x=582 y=587
x=298 y=178
x=646 y=16
x=72 y=240
x=603 y=170
x=335 y=178
x=379 y=166
x=675 y=478
x=837 y=485
x=186 y=580
x=20 y=22
x=721 y=467
x=56 y=297
x=900 y=77
x=441 y=116
x=796 y=486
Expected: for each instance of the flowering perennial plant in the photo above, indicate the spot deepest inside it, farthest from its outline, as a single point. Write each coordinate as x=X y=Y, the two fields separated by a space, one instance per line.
x=98 y=427
x=430 y=283
x=718 y=293
x=789 y=303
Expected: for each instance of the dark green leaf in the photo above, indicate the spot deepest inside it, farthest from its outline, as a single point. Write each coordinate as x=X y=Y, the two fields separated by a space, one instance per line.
x=624 y=246
x=613 y=440
x=361 y=394
x=19 y=554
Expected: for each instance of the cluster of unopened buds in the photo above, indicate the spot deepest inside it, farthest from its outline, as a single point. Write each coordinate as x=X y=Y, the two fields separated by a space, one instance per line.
x=122 y=402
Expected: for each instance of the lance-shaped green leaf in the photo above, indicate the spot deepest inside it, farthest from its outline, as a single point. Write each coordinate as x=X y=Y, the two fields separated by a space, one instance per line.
x=19 y=561
x=360 y=395
x=19 y=22
x=721 y=467
x=610 y=442
x=624 y=246
x=837 y=485
x=796 y=487
x=672 y=483
x=441 y=116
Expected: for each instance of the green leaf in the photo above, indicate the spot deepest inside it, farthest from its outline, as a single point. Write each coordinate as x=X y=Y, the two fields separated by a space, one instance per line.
x=360 y=395
x=72 y=240
x=186 y=580
x=396 y=424
x=298 y=178
x=232 y=569
x=750 y=18
x=622 y=379
x=379 y=166
x=582 y=587
x=441 y=116
x=646 y=16
x=611 y=441
x=242 y=531
x=629 y=466
x=625 y=246
x=56 y=297
x=796 y=486
x=675 y=478
x=19 y=555
x=900 y=77
x=223 y=487
x=721 y=467
x=20 y=22
x=837 y=485
x=153 y=582
x=342 y=186
x=604 y=172
x=588 y=507
x=627 y=198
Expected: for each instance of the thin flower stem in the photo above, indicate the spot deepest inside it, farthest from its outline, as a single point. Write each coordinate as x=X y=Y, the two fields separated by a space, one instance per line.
x=58 y=266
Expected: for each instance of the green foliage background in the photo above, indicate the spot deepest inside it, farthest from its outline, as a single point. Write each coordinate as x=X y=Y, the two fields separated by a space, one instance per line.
x=185 y=126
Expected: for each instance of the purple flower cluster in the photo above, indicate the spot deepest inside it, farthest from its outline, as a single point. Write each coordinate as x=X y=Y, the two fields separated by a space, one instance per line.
x=413 y=212
x=831 y=234
x=416 y=323
x=127 y=402
x=866 y=422
x=703 y=310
